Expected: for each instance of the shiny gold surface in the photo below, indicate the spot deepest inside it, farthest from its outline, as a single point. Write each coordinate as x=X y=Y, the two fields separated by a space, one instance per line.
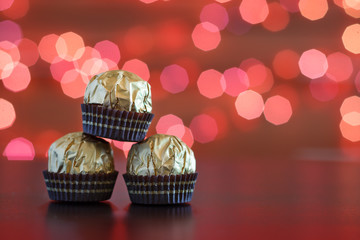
x=77 y=153
x=120 y=90
x=160 y=155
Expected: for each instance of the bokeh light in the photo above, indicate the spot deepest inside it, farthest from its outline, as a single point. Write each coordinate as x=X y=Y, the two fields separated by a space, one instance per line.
x=174 y=78
x=19 y=149
x=249 y=104
x=72 y=84
x=357 y=81
x=109 y=50
x=277 y=110
x=254 y=11
x=351 y=38
x=28 y=52
x=352 y=118
x=285 y=64
x=211 y=84
x=355 y=13
x=188 y=137
x=204 y=128
x=7 y=114
x=350 y=104
x=5 y=4
x=59 y=68
x=89 y=53
x=18 y=9
x=12 y=30
x=313 y=64
x=340 y=67
x=147 y=1
x=93 y=67
x=313 y=9
x=6 y=64
x=171 y=125
x=215 y=14
x=349 y=131
x=236 y=81
x=13 y=50
x=70 y=46
x=324 y=89
x=260 y=77
x=19 y=78
x=47 y=49
x=206 y=36
x=355 y=4
x=138 y=67
x=277 y=19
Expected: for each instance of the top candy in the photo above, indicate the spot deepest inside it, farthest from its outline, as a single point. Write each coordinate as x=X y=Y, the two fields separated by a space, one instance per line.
x=120 y=90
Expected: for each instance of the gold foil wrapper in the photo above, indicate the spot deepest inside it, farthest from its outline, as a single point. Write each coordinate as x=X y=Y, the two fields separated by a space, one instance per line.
x=79 y=153
x=120 y=90
x=160 y=155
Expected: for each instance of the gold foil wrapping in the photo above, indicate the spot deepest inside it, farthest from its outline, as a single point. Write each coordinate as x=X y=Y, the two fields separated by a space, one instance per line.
x=78 y=153
x=120 y=90
x=160 y=155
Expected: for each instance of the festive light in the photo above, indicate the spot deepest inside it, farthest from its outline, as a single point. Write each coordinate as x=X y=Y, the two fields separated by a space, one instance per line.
x=147 y=1
x=124 y=146
x=352 y=118
x=277 y=19
x=6 y=64
x=109 y=50
x=249 y=104
x=285 y=64
x=349 y=131
x=70 y=46
x=254 y=11
x=12 y=30
x=277 y=110
x=211 y=84
x=313 y=9
x=340 y=67
x=206 y=36
x=174 y=78
x=138 y=67
x=170 y=124
x=19 y=79
x=89 y=53
x=236 y=80
x=351 y=38
x=19 y=149
x=357 y=81
x=47 y=48
x=5 y=4
x=323 y=89
x=215 y=14
x=59 y=67
x=188 y=137
x=355 y=4
x=72 y=84
x=204 y=128
x=350 y=104
x=260 y=77
x=18 y=9
x=313 y=64
x=28 y=52
x=7 y=114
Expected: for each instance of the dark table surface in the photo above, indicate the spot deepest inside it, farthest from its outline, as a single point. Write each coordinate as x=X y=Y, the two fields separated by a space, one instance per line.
x=233 y=199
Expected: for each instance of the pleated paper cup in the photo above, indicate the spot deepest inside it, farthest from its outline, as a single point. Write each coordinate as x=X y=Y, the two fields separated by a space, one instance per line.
x=115 y=124
x=80 y=187
x=173 y=189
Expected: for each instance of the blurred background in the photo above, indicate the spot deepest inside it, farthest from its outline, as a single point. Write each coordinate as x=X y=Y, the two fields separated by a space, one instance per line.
x=233 y=79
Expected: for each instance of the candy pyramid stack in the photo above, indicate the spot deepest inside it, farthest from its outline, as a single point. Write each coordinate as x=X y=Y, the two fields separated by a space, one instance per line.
x=117 y=105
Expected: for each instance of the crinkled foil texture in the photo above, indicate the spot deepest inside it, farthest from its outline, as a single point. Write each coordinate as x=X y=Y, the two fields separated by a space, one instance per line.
x=160 y=155
x=120 y=90
x=79 y=153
